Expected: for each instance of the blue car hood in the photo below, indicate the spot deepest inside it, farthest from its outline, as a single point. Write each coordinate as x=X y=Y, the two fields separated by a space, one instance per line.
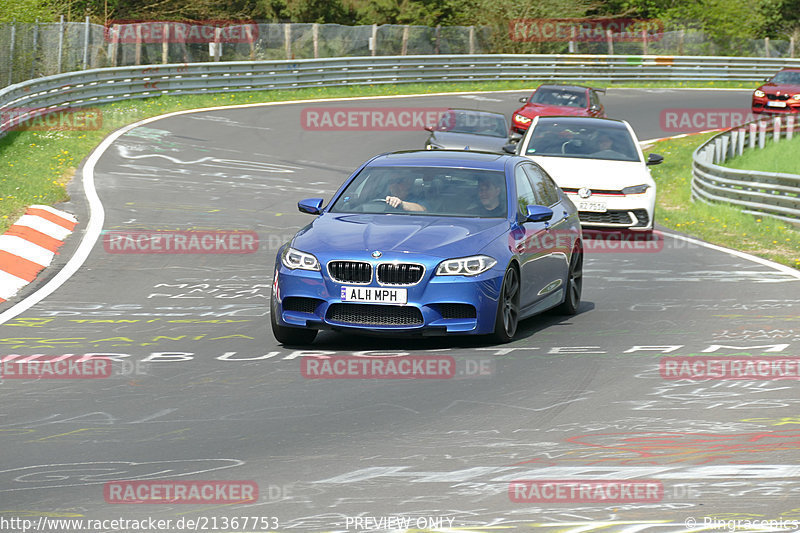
x=435 y=236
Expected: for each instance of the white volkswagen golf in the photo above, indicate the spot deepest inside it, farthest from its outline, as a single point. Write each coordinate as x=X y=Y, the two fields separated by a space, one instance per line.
x=599 y=164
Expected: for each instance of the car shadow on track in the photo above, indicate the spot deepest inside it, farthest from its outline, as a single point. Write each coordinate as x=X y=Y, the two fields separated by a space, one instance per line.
x=351 y=342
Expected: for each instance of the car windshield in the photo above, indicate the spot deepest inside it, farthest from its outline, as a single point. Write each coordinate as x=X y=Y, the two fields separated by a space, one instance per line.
x=427 y=191
x=787 y=77
x=472 y=122
x=582 y=141
x=559 y=97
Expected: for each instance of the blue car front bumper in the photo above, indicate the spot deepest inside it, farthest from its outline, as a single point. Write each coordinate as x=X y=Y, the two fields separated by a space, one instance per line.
x=436 y=305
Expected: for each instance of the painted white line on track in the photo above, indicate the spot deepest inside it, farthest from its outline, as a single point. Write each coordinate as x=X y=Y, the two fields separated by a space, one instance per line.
x=97 y=213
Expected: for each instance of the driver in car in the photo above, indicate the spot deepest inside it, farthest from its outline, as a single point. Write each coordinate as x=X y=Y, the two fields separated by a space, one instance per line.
x=400 y=196
x=604 y=146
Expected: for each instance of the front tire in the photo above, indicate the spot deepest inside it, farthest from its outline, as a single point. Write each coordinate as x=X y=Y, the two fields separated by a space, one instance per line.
x=572 y=298
x=285 y=335
x=505 y=324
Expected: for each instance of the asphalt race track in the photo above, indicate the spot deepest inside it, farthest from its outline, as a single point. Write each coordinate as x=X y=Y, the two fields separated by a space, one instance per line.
x=200 y=390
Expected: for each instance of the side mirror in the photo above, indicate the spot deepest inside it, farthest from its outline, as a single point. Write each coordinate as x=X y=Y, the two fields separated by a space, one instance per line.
x=510 y=148
x=312 y=206
x=538 y=213
x=515 y=137
x=524 y=99
x=655 y=159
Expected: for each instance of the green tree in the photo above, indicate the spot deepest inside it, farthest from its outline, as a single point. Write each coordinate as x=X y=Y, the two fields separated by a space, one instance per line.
x=781 y=18
x=26 y=10
x=417 y=12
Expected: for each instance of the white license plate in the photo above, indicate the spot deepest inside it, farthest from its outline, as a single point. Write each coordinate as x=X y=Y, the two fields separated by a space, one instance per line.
x=594 y=207
x=776 y=104
x=374 y=295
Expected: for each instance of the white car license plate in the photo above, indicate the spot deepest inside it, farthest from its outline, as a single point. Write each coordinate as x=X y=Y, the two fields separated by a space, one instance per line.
x=776 y=104
x=594 y=207
x=374 y=295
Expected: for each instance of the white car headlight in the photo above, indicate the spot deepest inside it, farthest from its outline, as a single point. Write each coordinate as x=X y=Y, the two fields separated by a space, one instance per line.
x=294 y=259
x=635 y=189
x=522 y=120
x=796 y=97
x=465 y=266
x=758 y=93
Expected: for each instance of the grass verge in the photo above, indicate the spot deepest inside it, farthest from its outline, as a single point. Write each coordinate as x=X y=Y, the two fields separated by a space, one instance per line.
x=36 y=166
x=719 y=224
x=775 y=157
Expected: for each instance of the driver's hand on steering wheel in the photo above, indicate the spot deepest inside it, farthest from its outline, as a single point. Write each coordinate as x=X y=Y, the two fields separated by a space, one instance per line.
x=394 y=201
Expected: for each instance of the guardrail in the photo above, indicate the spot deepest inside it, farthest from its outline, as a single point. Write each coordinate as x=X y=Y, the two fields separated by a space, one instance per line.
x=759 y=193
x=98 y=86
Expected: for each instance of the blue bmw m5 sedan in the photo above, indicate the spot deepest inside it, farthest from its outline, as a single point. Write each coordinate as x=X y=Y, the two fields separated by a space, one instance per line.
x=431 y=243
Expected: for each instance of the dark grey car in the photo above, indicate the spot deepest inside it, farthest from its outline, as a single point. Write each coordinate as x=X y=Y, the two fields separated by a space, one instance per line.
x=472 y=129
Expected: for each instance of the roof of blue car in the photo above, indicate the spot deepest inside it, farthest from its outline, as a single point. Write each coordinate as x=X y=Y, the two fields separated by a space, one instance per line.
x=443 y=158
x=583 y=121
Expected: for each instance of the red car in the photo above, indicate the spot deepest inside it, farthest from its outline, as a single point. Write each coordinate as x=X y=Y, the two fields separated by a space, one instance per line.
x=781 y=93
x=555 y=100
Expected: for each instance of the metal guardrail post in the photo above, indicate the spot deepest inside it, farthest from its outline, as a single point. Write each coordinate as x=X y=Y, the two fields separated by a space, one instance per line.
x=86 y=30
x=35 y=48
x=60 y=44
x=11 y=53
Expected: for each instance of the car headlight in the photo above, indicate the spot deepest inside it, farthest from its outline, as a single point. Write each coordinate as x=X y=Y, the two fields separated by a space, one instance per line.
x=796 y=97
x=521 y=119
x=465 y=266
x=759 y=93
x=293 y=259
x=635 y=189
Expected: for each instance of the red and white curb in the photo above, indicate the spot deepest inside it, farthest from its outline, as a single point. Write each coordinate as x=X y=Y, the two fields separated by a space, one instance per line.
x=30 y=245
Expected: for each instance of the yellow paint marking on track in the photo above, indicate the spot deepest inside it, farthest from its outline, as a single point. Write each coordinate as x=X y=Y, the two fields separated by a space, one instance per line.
x=67 y=433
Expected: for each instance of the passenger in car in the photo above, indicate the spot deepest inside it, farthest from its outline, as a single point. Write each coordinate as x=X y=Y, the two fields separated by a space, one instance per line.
x=490 y=203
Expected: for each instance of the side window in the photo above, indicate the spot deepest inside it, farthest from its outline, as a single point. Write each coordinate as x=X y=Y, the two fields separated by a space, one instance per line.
x=525 y=194
x=543 y=185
